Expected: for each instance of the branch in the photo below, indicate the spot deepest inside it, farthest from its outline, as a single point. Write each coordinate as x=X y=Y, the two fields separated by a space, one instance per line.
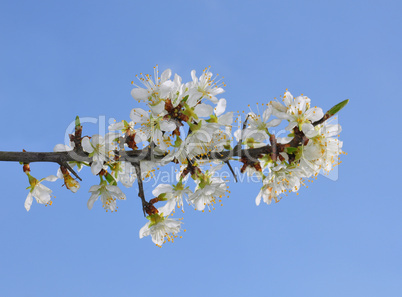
x=274 y=153
x=140 y=186
x=148 y=154
x=66 y=165
x=238 y=145
x=334 y=110
x=231 y=170
x=147 y=207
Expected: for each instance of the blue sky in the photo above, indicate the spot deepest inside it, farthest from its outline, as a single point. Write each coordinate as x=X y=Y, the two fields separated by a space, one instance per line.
x=59 y=59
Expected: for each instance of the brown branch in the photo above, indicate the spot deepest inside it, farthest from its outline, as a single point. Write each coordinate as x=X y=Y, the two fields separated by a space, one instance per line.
x=323 y=119
x=129 y=156
x=140 y=185
x=148 y=154
x=274 y=153
x=239 y=144
x=147 y=208
x=231 y=170
x=66 y=165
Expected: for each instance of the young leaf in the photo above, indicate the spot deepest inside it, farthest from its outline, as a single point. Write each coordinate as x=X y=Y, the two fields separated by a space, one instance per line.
x=337 y=107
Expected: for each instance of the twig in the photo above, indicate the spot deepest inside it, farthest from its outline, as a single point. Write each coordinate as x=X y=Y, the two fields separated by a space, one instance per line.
x=148 y=154
x=334 y=110
x=322 y=120
x=239 y=143
x=231 y=170
x=147 y=207
x=274 y=153
x=140 y=186
x=66 y=165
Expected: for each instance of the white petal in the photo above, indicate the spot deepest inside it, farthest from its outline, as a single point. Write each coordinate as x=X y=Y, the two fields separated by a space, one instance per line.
x=74 y=188
x=226 y=119
x=291 y=125
x=311 y=151
x=311 y=133
x=158 y=108
x=140 y=136
x=168 y=207
x=166 y=88
x=199 y=203
x=258 y=198
x=138 y=115
x=284 y=140
x=86 y=145
x=288 y=98
x=278 y=107
x=42 y=194
x=157 y=238
x=274 y=123
x=308 y=130
x=96 y=167
x=166 y=75
x=193 y=98
x=167 y=125
x=332 y=130
x=51 y=178
x=162 y=188
x=140 y=94
x=306 y=127
x=314 y=114
x=267 y=113
x=203 y=110
x=116 y=191
x=110 y=137
x=94 y=188
x=97 y=139
x=92 y=200
x=193 y=76
x=281 y=115
x=61 y=148
x=285 y=156
x=144 y=231
x=238 y=134
x=213 y=99
x=28 y=201
x=59 y=173
x=220 y=107
x=203 y=135
x=116 y=126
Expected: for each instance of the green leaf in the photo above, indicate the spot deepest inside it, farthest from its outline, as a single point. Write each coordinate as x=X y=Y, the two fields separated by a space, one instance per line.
x=77 y=121
x=337 y=107
x=111 y=179
x=212 y=119
x=291 y=150
x=178 y=142
x=162 y=197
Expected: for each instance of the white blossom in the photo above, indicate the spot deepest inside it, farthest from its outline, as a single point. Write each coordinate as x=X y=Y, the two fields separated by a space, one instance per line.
x=41 y=193
x=172 y=194
x=100 y=149
x=208 y=189
x=160 y=227
x=203 y=87
x=299 y=113
x=108 y=195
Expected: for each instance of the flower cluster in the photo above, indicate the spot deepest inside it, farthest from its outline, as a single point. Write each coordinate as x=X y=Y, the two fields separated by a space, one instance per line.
x=185 y=124
x=286 y=170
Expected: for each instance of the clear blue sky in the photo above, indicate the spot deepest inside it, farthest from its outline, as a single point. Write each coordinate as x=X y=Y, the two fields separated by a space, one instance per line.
x=59 y=59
